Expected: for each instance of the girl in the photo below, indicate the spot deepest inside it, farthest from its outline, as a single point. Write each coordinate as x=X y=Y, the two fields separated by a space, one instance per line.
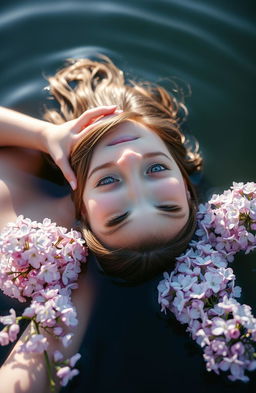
x=134 y=199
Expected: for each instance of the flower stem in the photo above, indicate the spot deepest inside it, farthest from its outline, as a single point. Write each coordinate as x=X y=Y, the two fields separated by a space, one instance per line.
x=49 y=371
x=47 y=362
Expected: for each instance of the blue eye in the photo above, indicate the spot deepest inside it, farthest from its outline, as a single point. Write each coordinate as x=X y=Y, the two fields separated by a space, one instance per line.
x=106 y=180
x=157 y=168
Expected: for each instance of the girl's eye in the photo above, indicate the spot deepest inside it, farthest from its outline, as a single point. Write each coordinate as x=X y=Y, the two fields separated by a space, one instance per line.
x=157 y=168
x=106 y=180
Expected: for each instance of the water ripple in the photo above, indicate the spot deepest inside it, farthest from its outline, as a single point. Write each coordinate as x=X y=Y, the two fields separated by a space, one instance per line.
x=16 y=14
x=138 y=14
x=27 y=89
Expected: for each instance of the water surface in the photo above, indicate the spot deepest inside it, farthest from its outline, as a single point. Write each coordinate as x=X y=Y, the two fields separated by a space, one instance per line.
x=208 y=47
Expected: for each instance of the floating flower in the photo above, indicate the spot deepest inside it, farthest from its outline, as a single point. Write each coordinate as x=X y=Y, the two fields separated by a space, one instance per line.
x=41 y=262
x=224 y=328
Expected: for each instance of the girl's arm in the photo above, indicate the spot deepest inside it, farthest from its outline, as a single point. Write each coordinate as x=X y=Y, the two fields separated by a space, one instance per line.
x=17 y=129
x=20 y=130
x=27 y=373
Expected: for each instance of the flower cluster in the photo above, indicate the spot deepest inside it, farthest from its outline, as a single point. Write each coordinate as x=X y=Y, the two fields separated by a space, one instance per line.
x=201 y=290
x=41 y=262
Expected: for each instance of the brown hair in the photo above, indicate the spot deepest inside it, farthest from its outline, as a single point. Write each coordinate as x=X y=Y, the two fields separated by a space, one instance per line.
x=84 y=84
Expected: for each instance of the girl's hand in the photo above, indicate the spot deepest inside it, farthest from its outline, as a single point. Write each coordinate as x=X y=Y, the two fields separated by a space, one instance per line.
x=58 y=140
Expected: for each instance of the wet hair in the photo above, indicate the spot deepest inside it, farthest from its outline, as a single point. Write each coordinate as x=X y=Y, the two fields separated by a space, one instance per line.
x=83 y=84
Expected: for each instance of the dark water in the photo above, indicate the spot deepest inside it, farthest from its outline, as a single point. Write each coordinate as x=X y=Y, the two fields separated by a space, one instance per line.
x=209 y=45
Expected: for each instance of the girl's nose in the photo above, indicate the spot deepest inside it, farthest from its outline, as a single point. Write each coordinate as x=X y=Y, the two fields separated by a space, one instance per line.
x=129 y=158
x=136 y=190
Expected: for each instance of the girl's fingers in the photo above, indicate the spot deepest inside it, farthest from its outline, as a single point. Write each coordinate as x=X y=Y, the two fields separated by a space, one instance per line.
x=93 y=114
x=67 y=171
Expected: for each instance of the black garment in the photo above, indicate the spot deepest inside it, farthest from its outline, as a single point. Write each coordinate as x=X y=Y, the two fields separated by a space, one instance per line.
x=131 y=347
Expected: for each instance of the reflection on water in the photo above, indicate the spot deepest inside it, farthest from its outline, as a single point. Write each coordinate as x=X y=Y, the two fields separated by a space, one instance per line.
x=208 y=45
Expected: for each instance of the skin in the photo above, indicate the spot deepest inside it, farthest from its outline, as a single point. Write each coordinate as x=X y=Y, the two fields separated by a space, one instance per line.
x=137 y=185
x=23 y=191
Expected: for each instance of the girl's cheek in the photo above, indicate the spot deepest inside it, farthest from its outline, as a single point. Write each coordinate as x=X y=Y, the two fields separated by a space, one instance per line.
x=100 y=206
x=170 y=189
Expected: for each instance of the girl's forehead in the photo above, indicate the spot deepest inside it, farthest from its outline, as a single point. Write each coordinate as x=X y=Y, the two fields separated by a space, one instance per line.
x=131 y=128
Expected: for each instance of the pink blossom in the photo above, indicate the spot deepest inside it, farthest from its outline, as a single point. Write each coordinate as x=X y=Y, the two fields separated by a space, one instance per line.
x=33 y=257
x=213 y=281
x=57 y=356
x=66 y=340
x=9 y=288
x=46 y=314
x=37 y=343
x=198 y=290
x=220 y=347
x=65 y=374
x=202 y=338
x=57 y=330
x=9 y=319
x=45 y=260
x=179 y=301
x=237 y=348
x=49 y=273
x=219 y=326
x=74 y=359
x=70 y=272
x=236 y=368
x=68 y=316
x=183 y=282
x=228 y=304
x=13 y=331
x=4 y=338
x=225 y=227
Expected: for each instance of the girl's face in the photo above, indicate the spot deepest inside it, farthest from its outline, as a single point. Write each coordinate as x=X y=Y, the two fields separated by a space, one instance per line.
x=134 y=190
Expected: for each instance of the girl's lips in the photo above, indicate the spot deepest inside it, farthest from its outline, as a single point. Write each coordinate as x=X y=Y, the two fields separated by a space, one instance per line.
x=124 y=138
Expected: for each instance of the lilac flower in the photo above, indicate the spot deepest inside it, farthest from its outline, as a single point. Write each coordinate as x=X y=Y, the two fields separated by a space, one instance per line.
x=235 y=366
x=183 y=282
x=13 y=331
x=202 y=338
x=68 y=316
x=57 y=356
x=237 y=348
x=74 y=359
x=40 y=261
x=198 y=290
x=9 y=319
x=213 y=281
x=4 y=338
x=219 y=326
x=228 y=304
x=57 y=330
x=66 y=340
x=179 y=301
x=65 y=374
x=45 y=314
x=29 y=312
x=49 y=273
x=219 y=347
x=70 y=272
x=225 y=329
x=36 y=344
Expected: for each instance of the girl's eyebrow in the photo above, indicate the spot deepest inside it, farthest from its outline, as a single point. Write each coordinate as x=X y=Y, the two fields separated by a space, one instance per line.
x=112 y=163
x=117 y=220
